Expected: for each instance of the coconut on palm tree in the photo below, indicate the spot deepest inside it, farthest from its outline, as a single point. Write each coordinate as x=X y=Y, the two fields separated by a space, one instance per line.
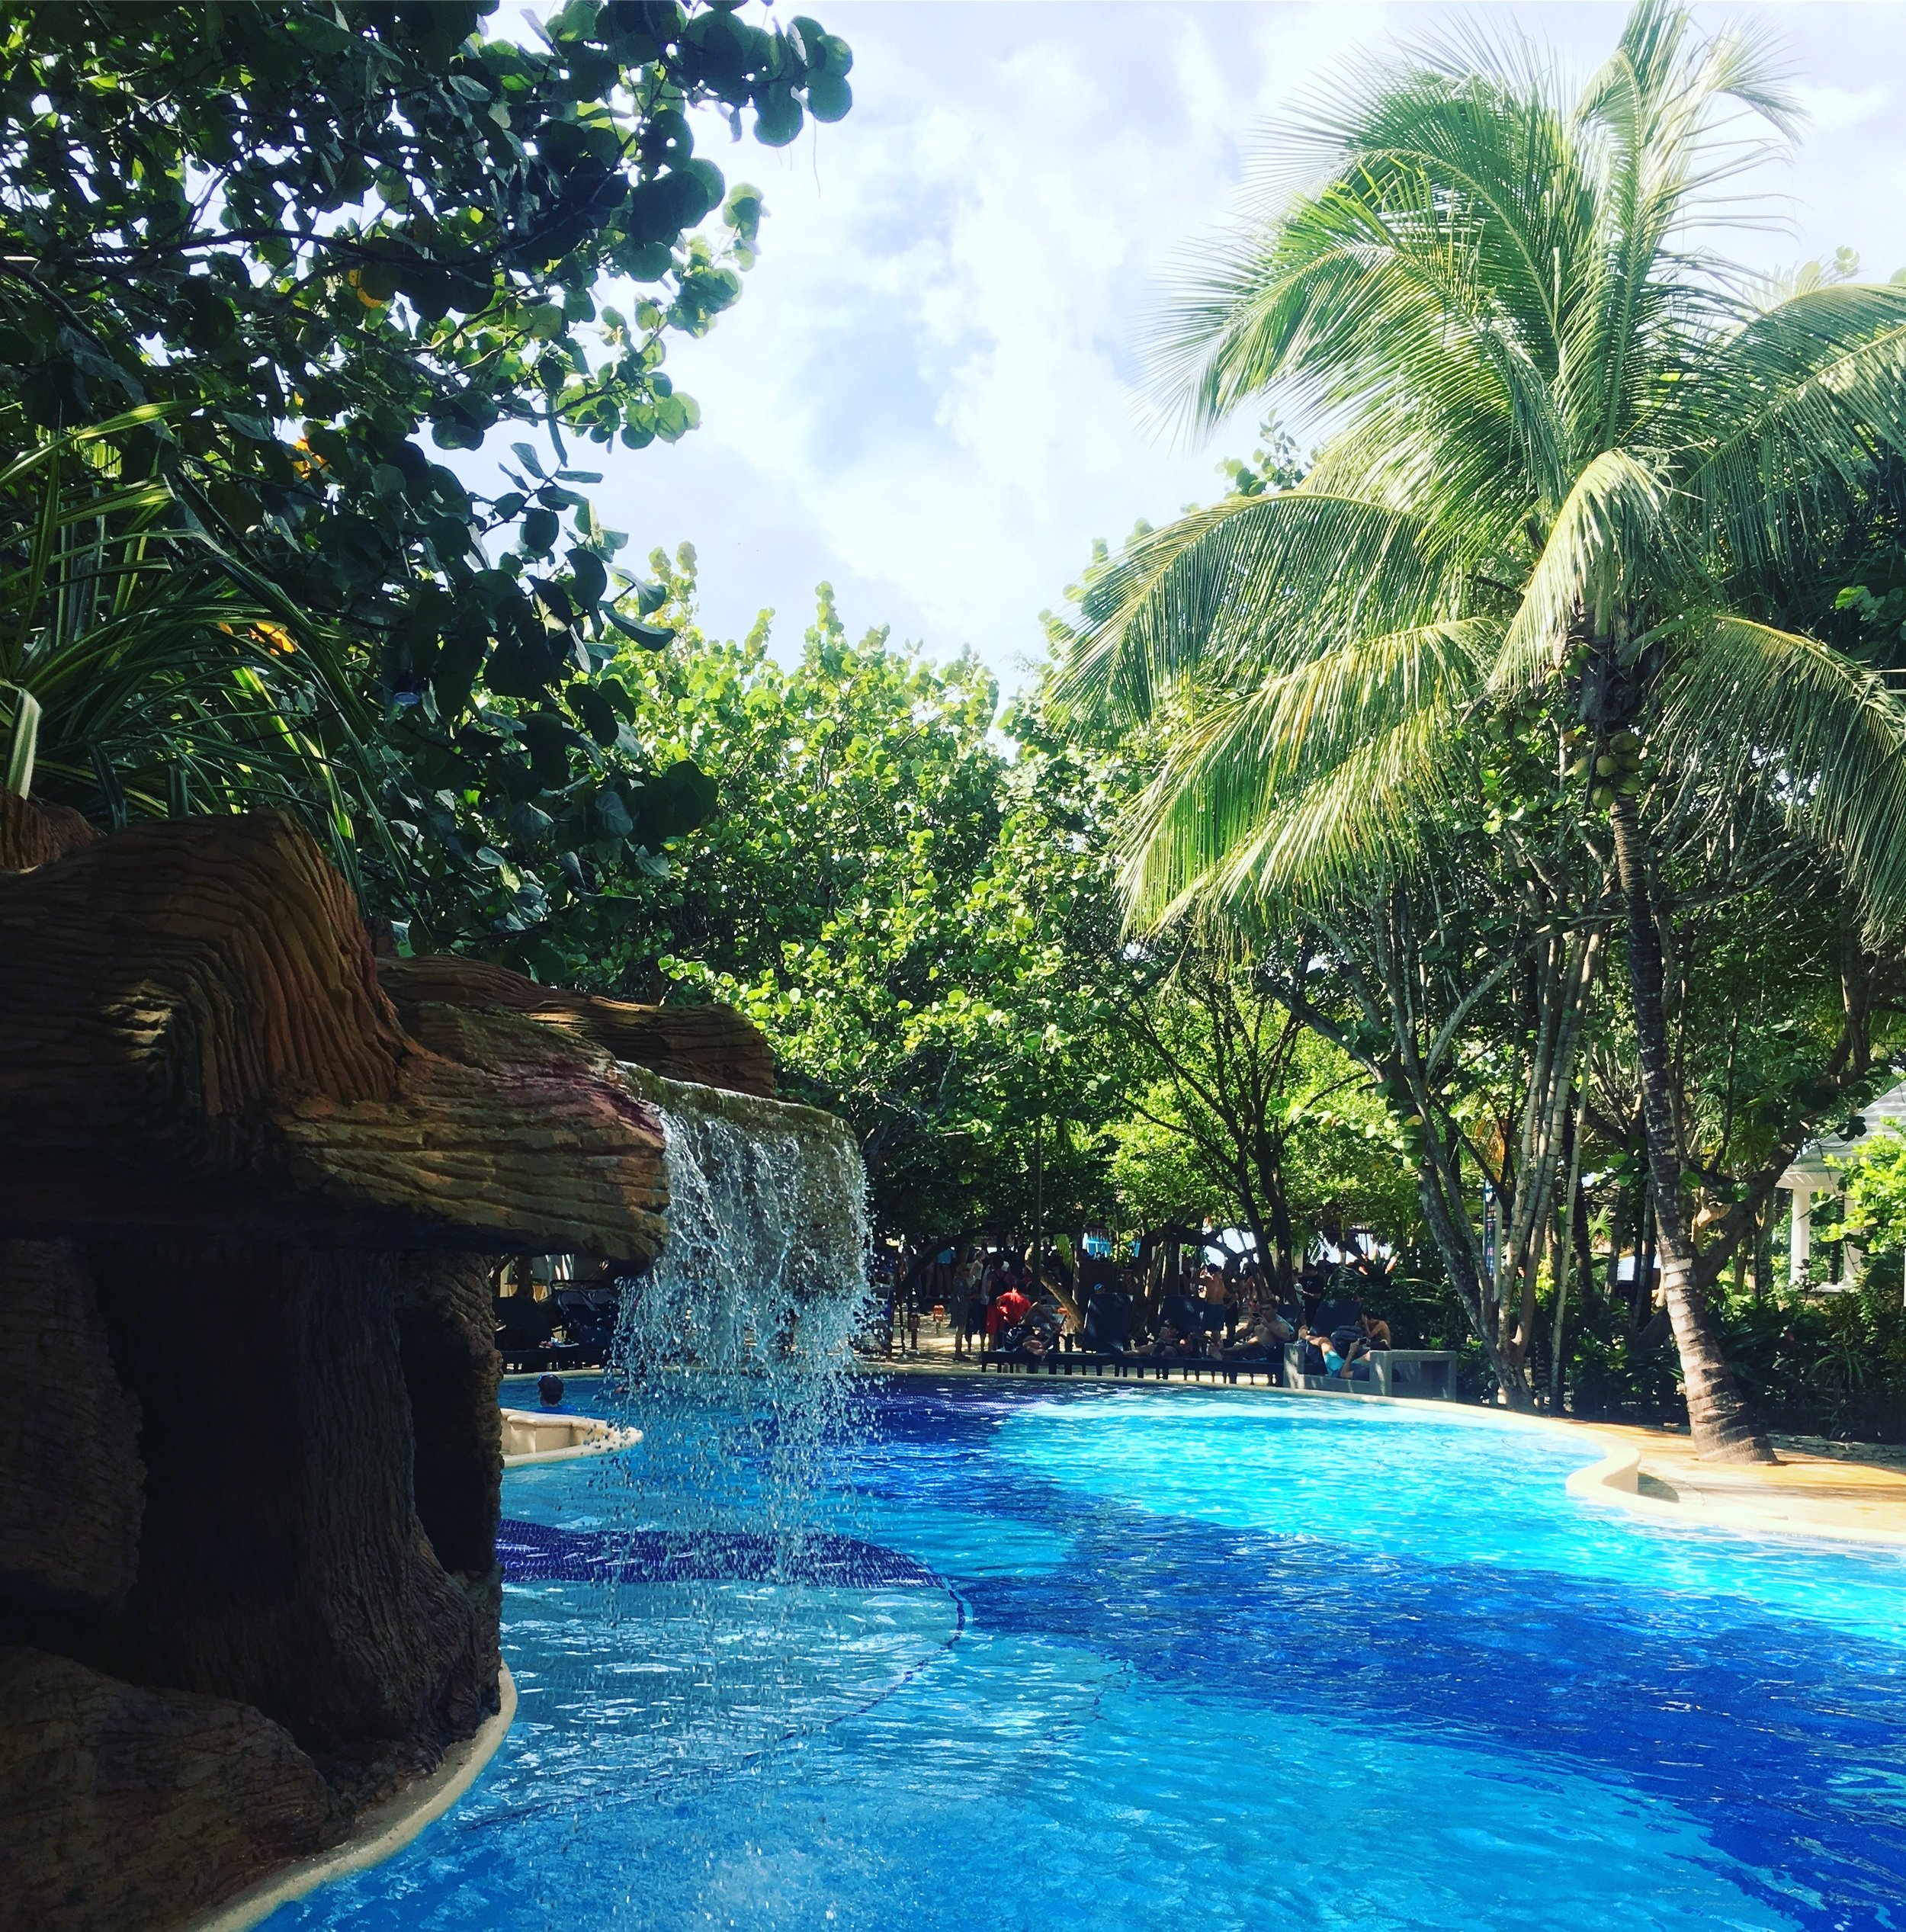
x=1568 y=447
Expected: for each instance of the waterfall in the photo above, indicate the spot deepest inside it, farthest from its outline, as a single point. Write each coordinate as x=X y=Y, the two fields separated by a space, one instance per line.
x=708 y=1595
x=765 y=1266
x=735 y=1346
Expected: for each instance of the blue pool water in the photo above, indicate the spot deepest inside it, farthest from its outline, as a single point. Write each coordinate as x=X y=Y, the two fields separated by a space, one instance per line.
x=1140 y=1658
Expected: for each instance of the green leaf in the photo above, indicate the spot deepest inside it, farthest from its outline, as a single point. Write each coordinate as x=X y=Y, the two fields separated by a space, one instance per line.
x=829 y=96
x=598 y=713
x=613 y=814
x=589 y=576
x=778 y=115
x=650 y=636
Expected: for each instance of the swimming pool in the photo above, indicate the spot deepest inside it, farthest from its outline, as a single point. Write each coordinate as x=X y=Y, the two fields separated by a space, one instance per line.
x=1131 y=1658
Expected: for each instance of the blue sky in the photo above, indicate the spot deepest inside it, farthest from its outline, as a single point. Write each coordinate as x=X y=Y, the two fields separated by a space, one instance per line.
x=927 y=393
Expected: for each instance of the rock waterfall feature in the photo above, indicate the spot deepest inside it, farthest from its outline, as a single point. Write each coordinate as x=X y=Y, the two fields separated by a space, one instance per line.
x=256 y=1188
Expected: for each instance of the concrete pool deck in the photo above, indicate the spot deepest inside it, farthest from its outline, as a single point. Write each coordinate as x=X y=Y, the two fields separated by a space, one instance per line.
x=1836 y=1492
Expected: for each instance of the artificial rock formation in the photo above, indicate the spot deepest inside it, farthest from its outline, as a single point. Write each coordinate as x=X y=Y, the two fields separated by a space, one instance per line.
x=712 y=1046
x=192 y=1035
x=33 y=834
x=256 y=1186
x=127 y=1806
x=70 y=1428
x=282 y=1562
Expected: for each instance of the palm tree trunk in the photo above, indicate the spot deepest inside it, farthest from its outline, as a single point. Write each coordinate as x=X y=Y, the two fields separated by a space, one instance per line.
x=1723 y=1426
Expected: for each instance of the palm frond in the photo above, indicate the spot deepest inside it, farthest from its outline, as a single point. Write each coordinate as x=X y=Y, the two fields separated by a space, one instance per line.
x=1252 y=580
x=1781 y=420
x=1240 y=780
x=1355 y=821
x=1820 y=735
x=1610 y=550
x=1653 y=108
x=1382 y=294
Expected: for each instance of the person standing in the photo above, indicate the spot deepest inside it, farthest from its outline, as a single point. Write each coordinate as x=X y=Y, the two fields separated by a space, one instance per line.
x=969 y=1280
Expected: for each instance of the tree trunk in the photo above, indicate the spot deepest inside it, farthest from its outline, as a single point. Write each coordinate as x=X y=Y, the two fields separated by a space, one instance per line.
x=1567 y=1221
x=1439 y=1166
x=1617 y=1211
x=1723 y=1426
x=1459 y=1264
x=1640 y=1294
x=1285 y=1276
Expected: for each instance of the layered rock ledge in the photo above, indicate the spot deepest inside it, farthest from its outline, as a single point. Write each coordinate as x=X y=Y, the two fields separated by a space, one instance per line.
x=257 y=1186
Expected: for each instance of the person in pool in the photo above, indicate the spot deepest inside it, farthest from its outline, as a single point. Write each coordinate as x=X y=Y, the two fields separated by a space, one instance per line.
x=549 y=1392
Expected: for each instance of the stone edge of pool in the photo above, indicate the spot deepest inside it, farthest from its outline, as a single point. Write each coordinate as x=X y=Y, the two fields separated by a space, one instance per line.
x=1747 y=1501
x=533 y=1435
x=383 y=1830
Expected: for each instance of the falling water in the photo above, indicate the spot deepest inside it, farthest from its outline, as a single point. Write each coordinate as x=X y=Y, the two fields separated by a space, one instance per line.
x=736 y=1346
x=738 y=1586
x=765 y=1268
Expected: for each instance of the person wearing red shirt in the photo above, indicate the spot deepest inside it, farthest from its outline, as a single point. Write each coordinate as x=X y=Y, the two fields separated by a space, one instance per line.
x=1009 y=1308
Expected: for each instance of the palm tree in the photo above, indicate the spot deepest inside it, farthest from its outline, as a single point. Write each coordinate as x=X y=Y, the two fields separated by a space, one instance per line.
x=1567 y=446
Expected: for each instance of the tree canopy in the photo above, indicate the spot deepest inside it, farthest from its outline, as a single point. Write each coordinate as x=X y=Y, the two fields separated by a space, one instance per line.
x=272 y=257
x=1573 y=465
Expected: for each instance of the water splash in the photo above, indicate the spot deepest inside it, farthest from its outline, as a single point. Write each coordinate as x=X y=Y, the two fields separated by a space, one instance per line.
x=734 y=1353
x=734 y=1357
x=764 y=1271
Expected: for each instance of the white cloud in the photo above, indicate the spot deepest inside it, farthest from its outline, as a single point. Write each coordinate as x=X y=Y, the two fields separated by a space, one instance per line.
x=933 y=366
x=1831 y=109
x=926 y=392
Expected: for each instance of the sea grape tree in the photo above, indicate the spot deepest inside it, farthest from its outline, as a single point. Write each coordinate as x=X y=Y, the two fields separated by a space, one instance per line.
x=332 y=243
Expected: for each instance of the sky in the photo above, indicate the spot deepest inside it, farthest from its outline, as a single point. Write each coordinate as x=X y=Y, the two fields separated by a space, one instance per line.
x=930 y=393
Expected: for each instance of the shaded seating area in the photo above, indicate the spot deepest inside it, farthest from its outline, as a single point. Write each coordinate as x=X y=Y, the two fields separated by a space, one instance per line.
x=1425 y=1374
x=545 y=1327
x=1132 y=1366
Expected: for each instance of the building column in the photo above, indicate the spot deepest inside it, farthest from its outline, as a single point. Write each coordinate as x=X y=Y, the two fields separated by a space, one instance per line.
x=1852 y=1256
x=1800 y=1238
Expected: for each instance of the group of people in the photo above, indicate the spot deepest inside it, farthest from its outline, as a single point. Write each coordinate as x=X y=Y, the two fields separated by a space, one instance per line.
x=997 y=1303
x=1232 y=1313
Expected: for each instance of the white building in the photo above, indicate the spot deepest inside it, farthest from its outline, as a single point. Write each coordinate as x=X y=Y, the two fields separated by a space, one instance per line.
x=1810 y=1175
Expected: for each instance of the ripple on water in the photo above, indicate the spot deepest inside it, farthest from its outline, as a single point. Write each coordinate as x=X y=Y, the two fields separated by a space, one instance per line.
x=1166 y=1661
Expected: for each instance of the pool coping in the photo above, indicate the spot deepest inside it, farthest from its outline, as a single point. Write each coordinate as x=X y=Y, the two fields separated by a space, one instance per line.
x=1616 y=1481
x=590 y=1436
x=381 y=1829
